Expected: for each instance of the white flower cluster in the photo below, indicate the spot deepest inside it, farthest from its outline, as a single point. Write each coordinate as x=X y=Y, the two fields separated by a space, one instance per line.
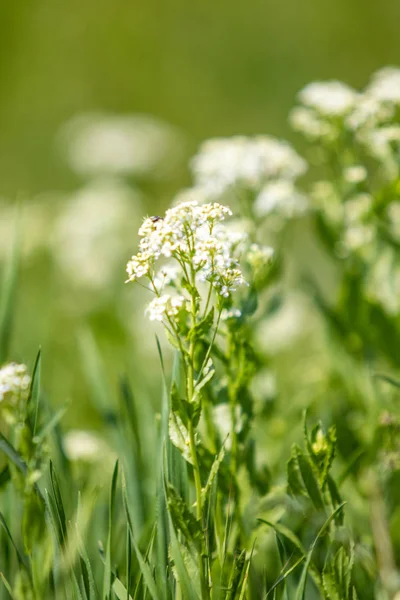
x=135 y=144
x=358 y=134
x=323 y=106
x=165 y=305
x=244 y=162
x=14 y=382
x=202 y=249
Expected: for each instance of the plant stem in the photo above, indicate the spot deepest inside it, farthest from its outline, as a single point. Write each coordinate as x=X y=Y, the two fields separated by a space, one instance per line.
x=196 y=469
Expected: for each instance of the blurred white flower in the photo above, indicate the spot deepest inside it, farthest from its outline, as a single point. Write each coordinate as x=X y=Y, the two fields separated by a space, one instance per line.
x=14 y=382
x=135 y=144
x=282 y=197
x=393 y=213
x=284 y=327
x=230 y=313
x=385 y=85
x=264 y=385
x=30 y=222
x=92 y=232
x=309 y=123
x=355 y=174
x=80 y=445
x=358 y=208
x=222 y=418
x=367 y=113
x=244 y=162
x=383 y=283
x=329 y=98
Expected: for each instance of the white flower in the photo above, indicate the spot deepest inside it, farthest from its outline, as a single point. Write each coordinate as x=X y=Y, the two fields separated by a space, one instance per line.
x=165 y=306
x=139 y=265
x=280 y=196
x=115 y=144
x=393 y=213
x=167 y=275
x=84 y=446
x=358 y=208
x=259 y=257
x=14 y=382
x=230 y=313
x=383 y=285
x=309 y=123
x=92 y=231
x=222 y=418
x=355 y=174
x=385 y=85
x=223 y=163
x=382 y=140
x=358 y=236
x=367 y=113
x=329 y=98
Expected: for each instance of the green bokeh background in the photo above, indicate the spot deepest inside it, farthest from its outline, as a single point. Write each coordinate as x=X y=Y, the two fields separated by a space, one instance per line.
x=209 y=68
x=212 y=68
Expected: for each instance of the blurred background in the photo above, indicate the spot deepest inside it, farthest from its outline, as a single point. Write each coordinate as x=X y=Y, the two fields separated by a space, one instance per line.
x=101 y=106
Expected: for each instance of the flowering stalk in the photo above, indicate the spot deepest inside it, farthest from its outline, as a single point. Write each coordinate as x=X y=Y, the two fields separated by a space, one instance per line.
x=199 y=250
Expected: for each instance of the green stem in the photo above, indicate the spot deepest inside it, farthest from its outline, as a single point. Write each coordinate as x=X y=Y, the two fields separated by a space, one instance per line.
x=196 y=469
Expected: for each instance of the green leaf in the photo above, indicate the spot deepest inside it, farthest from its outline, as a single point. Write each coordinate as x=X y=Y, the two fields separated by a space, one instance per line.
x=179 y=436
x=8 y=295
x=108 y=575
x=202 y=328
x=144 y=567
x=12 y=454
x=303 y=580
x=238 y=567
x=188 y=584
x=21 y=559
x=213 y=473
x=34 y=393
x=120 y=590
x=57 y=507
x=309 y=480
x=182 y=517
x=87 y=571
x=7 y=586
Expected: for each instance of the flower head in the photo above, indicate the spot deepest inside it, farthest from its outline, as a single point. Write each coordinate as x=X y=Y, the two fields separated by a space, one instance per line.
x=329 y=98
x=14 y=382
x=165 y=306
x=247 y=162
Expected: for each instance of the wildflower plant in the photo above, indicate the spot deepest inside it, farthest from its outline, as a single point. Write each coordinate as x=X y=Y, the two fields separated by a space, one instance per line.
x=206 y=500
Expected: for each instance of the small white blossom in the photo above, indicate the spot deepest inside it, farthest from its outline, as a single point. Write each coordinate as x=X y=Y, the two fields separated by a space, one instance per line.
x=165 y=306
x=280 y=196
x=84 y=446
x=222 y=418
x=368 y=113
x=139 y=265
x=383 y=284
x=119 y=145
x=385 y=85
x=358 y=208
x=309 y=123
x=230 y=313
x=168 y=275
x=358 y=236
x=355 y=174
x=259 y=257
x=247 y=162
x=393 y=213
x=329 y=98
x=14 y=382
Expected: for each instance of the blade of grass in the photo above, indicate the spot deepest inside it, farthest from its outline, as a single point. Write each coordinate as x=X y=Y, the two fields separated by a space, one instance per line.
x=303 y=580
